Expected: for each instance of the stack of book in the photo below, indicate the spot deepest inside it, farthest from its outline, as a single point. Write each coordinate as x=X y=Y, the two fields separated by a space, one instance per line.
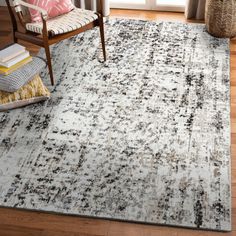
x=13 y=58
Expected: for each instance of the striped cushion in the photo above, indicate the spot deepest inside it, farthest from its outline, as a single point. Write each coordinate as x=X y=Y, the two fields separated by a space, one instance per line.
x=64 y=23
x=17 y=79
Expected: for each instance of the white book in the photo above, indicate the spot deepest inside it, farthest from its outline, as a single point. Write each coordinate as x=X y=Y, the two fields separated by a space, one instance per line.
x=15 y=60
x=11 y=52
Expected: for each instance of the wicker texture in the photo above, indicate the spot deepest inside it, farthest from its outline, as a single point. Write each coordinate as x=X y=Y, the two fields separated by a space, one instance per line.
x=33 y=92
x=221 y=18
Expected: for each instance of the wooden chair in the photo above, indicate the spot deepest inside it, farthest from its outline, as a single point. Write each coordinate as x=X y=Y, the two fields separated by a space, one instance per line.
x=51 y=31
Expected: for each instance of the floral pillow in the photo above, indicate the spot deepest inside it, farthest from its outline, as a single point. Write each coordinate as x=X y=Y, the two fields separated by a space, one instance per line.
x=53 y=7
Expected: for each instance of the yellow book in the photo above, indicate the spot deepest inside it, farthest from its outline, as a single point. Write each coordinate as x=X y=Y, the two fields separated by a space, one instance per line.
x=7 y=71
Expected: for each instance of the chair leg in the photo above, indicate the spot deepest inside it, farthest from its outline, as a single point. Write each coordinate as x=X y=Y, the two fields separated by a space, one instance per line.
x=14 y=38
x=101 y=26
x=48 y=56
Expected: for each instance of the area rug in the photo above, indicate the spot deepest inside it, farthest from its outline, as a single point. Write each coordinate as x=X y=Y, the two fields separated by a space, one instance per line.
x=143 y=137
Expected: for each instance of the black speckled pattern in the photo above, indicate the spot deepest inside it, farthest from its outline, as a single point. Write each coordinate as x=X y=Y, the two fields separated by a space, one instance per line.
x=143 y=137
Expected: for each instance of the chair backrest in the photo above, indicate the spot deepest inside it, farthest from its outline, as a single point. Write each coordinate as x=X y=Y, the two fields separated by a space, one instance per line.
x=12 y=15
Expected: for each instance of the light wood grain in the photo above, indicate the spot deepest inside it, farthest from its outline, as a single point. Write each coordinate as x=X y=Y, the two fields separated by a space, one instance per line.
x=26 y=223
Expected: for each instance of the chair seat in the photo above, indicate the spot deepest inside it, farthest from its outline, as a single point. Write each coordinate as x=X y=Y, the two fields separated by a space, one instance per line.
x=64 y=23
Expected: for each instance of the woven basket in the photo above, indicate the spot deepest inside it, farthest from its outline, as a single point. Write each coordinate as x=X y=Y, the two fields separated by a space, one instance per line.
x=221 y=18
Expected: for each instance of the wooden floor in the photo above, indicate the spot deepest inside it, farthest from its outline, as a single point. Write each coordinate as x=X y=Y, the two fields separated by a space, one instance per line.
x=25 y=223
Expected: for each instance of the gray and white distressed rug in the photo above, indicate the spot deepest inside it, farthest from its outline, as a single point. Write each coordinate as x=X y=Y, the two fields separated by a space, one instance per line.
x=144 y=137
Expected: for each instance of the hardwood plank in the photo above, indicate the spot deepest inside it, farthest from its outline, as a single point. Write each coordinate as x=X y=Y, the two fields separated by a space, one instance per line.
x=125 y=229
x=52 y=222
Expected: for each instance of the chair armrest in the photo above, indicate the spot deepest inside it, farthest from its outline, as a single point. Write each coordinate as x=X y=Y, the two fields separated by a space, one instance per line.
x=17 y=4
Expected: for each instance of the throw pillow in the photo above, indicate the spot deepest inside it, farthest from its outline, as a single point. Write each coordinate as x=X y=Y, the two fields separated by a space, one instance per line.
x=20 y=77
x=33 y=92
x=53 y=7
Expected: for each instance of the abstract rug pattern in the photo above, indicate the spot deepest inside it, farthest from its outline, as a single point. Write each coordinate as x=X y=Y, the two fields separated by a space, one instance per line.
x=143 y=137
